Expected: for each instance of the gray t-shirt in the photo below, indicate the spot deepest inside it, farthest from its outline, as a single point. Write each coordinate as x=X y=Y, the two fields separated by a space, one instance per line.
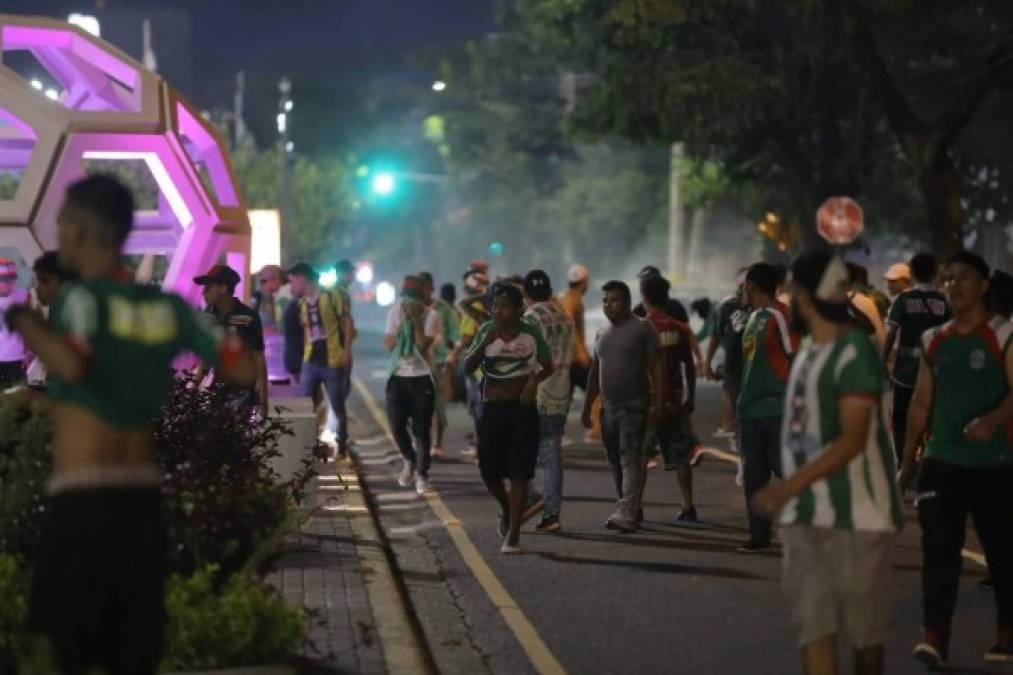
x=623 y=353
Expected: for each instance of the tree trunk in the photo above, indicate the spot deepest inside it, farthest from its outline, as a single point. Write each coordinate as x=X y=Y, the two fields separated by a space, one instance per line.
x=940 y=185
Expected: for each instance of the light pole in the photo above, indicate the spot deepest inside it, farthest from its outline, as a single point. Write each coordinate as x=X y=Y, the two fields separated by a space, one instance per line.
x=285 y=146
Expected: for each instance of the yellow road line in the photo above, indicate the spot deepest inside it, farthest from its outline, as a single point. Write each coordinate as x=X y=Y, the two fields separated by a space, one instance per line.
x=534 y=646
x=973 y=556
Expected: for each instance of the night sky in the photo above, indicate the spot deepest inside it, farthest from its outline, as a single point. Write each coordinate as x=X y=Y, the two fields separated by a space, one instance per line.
x=343 y=42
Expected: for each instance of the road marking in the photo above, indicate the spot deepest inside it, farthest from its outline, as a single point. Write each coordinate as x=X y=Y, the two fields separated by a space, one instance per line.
x=973 y=556
x=531 y=642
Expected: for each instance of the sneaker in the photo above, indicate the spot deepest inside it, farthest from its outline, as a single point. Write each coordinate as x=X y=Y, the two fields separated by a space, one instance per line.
x=696 y=456
x=754 y=546
x=687 y=515
x=548 y=524
x=503 y=526
x=421 y=485
x=407 y=475
x=1002 y=650
x=617 y=522
x=535 y=504
x=470 y=452
x=437 y=451
x=510 y=549
x=931 y=651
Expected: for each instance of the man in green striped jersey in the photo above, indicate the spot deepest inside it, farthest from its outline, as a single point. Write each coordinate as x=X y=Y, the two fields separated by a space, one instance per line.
x=963 y=401
x=838 y=503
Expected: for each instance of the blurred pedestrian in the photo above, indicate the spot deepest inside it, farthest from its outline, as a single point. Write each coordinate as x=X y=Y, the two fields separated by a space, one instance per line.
x=961 y=414
x=839 y=509
x=897 y=278
x=12 y=348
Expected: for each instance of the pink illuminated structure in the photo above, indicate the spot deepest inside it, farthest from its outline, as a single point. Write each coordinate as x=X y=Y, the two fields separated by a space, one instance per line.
x=109 y=107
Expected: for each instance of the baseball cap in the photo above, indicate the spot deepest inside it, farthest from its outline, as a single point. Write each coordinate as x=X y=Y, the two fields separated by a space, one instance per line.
x=219 y=274
x=8 y=270
x=537 y=284
x=302 y=269
x=576 y=273
x=897 y=272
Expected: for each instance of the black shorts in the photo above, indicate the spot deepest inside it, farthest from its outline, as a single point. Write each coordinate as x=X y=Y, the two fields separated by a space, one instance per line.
x=98 y=579
x=508 y=440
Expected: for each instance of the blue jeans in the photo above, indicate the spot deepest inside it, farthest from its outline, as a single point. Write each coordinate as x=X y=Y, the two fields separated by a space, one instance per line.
x=550 y=459
x=335 y=381
x=760 y=447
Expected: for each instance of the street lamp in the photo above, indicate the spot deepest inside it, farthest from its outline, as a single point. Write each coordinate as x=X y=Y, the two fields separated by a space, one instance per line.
x=439 y=85
x=285 y=145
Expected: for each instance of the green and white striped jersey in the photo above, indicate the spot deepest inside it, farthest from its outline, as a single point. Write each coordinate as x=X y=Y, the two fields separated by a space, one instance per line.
x=861 y=496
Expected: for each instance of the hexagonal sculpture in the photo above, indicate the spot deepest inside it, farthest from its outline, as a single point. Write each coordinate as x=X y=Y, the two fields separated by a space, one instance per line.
x=113 y=113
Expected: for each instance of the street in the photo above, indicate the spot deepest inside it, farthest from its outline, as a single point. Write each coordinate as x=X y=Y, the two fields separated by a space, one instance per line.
x=671 y=598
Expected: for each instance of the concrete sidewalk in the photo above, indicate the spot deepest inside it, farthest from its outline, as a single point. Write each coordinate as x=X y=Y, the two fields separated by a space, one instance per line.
x=338 y=568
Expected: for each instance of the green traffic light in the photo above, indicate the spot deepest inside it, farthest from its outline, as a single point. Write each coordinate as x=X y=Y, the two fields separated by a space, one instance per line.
x=496 y=249
x=383 y=184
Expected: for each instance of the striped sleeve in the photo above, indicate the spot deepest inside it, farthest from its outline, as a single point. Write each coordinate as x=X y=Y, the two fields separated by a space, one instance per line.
x=858 y=371
x=479 y=338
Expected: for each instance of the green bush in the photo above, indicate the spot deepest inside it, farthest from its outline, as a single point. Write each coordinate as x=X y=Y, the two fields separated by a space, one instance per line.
x=25 y=464
x=13 y=610
x=242 y=623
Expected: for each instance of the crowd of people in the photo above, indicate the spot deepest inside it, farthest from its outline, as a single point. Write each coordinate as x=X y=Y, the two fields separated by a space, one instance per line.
x=837 y=398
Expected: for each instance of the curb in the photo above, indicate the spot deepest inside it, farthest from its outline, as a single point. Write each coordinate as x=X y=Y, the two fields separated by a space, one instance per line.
x=405 y=650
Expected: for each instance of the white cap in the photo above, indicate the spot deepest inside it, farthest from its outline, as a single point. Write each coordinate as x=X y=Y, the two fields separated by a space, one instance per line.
x=898 y=271
x=576 y=273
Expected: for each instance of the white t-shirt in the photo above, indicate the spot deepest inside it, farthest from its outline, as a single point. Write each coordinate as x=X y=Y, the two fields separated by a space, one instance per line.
x=412 y=366
x=11 y=346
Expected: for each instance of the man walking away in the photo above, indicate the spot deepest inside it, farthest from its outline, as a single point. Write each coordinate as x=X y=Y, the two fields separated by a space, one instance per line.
x=913 y=312
x=677 y=359
x=474 y=313
x=411 y=392
x=326 y=321
x=767 y=348
x=219 y=294
x=839 y=509
x=963 y=403
x=553 y=393
x=12 y=348
x=626 y=370
x=98 y=574
x=295 y=337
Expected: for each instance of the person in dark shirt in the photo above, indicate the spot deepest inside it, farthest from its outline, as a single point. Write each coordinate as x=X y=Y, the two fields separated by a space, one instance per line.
x=673 y=307
x=913 y=312
x=219 y=286
x=295 y=335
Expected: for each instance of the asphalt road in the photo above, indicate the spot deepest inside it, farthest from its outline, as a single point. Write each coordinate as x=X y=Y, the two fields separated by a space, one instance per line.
x=669 y=599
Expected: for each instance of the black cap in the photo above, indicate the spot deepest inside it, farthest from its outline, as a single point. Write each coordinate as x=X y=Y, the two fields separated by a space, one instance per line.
x=302 y=269
x=219 y=274
x=537 y=285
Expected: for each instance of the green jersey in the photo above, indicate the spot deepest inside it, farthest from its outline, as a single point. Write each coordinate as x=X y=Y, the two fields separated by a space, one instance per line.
x=557 y=328
x=519 y=357
x=862 y=495
x=969 y=372
x=913 y=312
x=767 y=346
x=129 y=335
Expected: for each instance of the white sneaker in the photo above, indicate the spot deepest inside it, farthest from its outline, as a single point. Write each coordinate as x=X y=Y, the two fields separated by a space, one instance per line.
x=421 y=485
x=407 y=475
x=510 y=549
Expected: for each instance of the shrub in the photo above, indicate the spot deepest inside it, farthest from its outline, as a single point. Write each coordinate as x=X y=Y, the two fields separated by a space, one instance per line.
x=13 y=610
x=225 y=504
x=25 y=464
x=242 y=623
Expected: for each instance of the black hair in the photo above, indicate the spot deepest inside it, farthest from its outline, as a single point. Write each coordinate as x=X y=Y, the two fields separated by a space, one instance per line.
x=702 y=306
x=807 y=273
x=109 y=205
x=537 y=285
x=302 y=269
x=858 y=275
x=972 y=260
x=49 y=263
x=448 y=293
x=924 y=267
x=764 y=276
x=344 y=265
x=620 y=287
x=655 y=290
x=648 y=271
x=782 y=273
x=427 y=277
x=514 y=279
x=509 y=292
